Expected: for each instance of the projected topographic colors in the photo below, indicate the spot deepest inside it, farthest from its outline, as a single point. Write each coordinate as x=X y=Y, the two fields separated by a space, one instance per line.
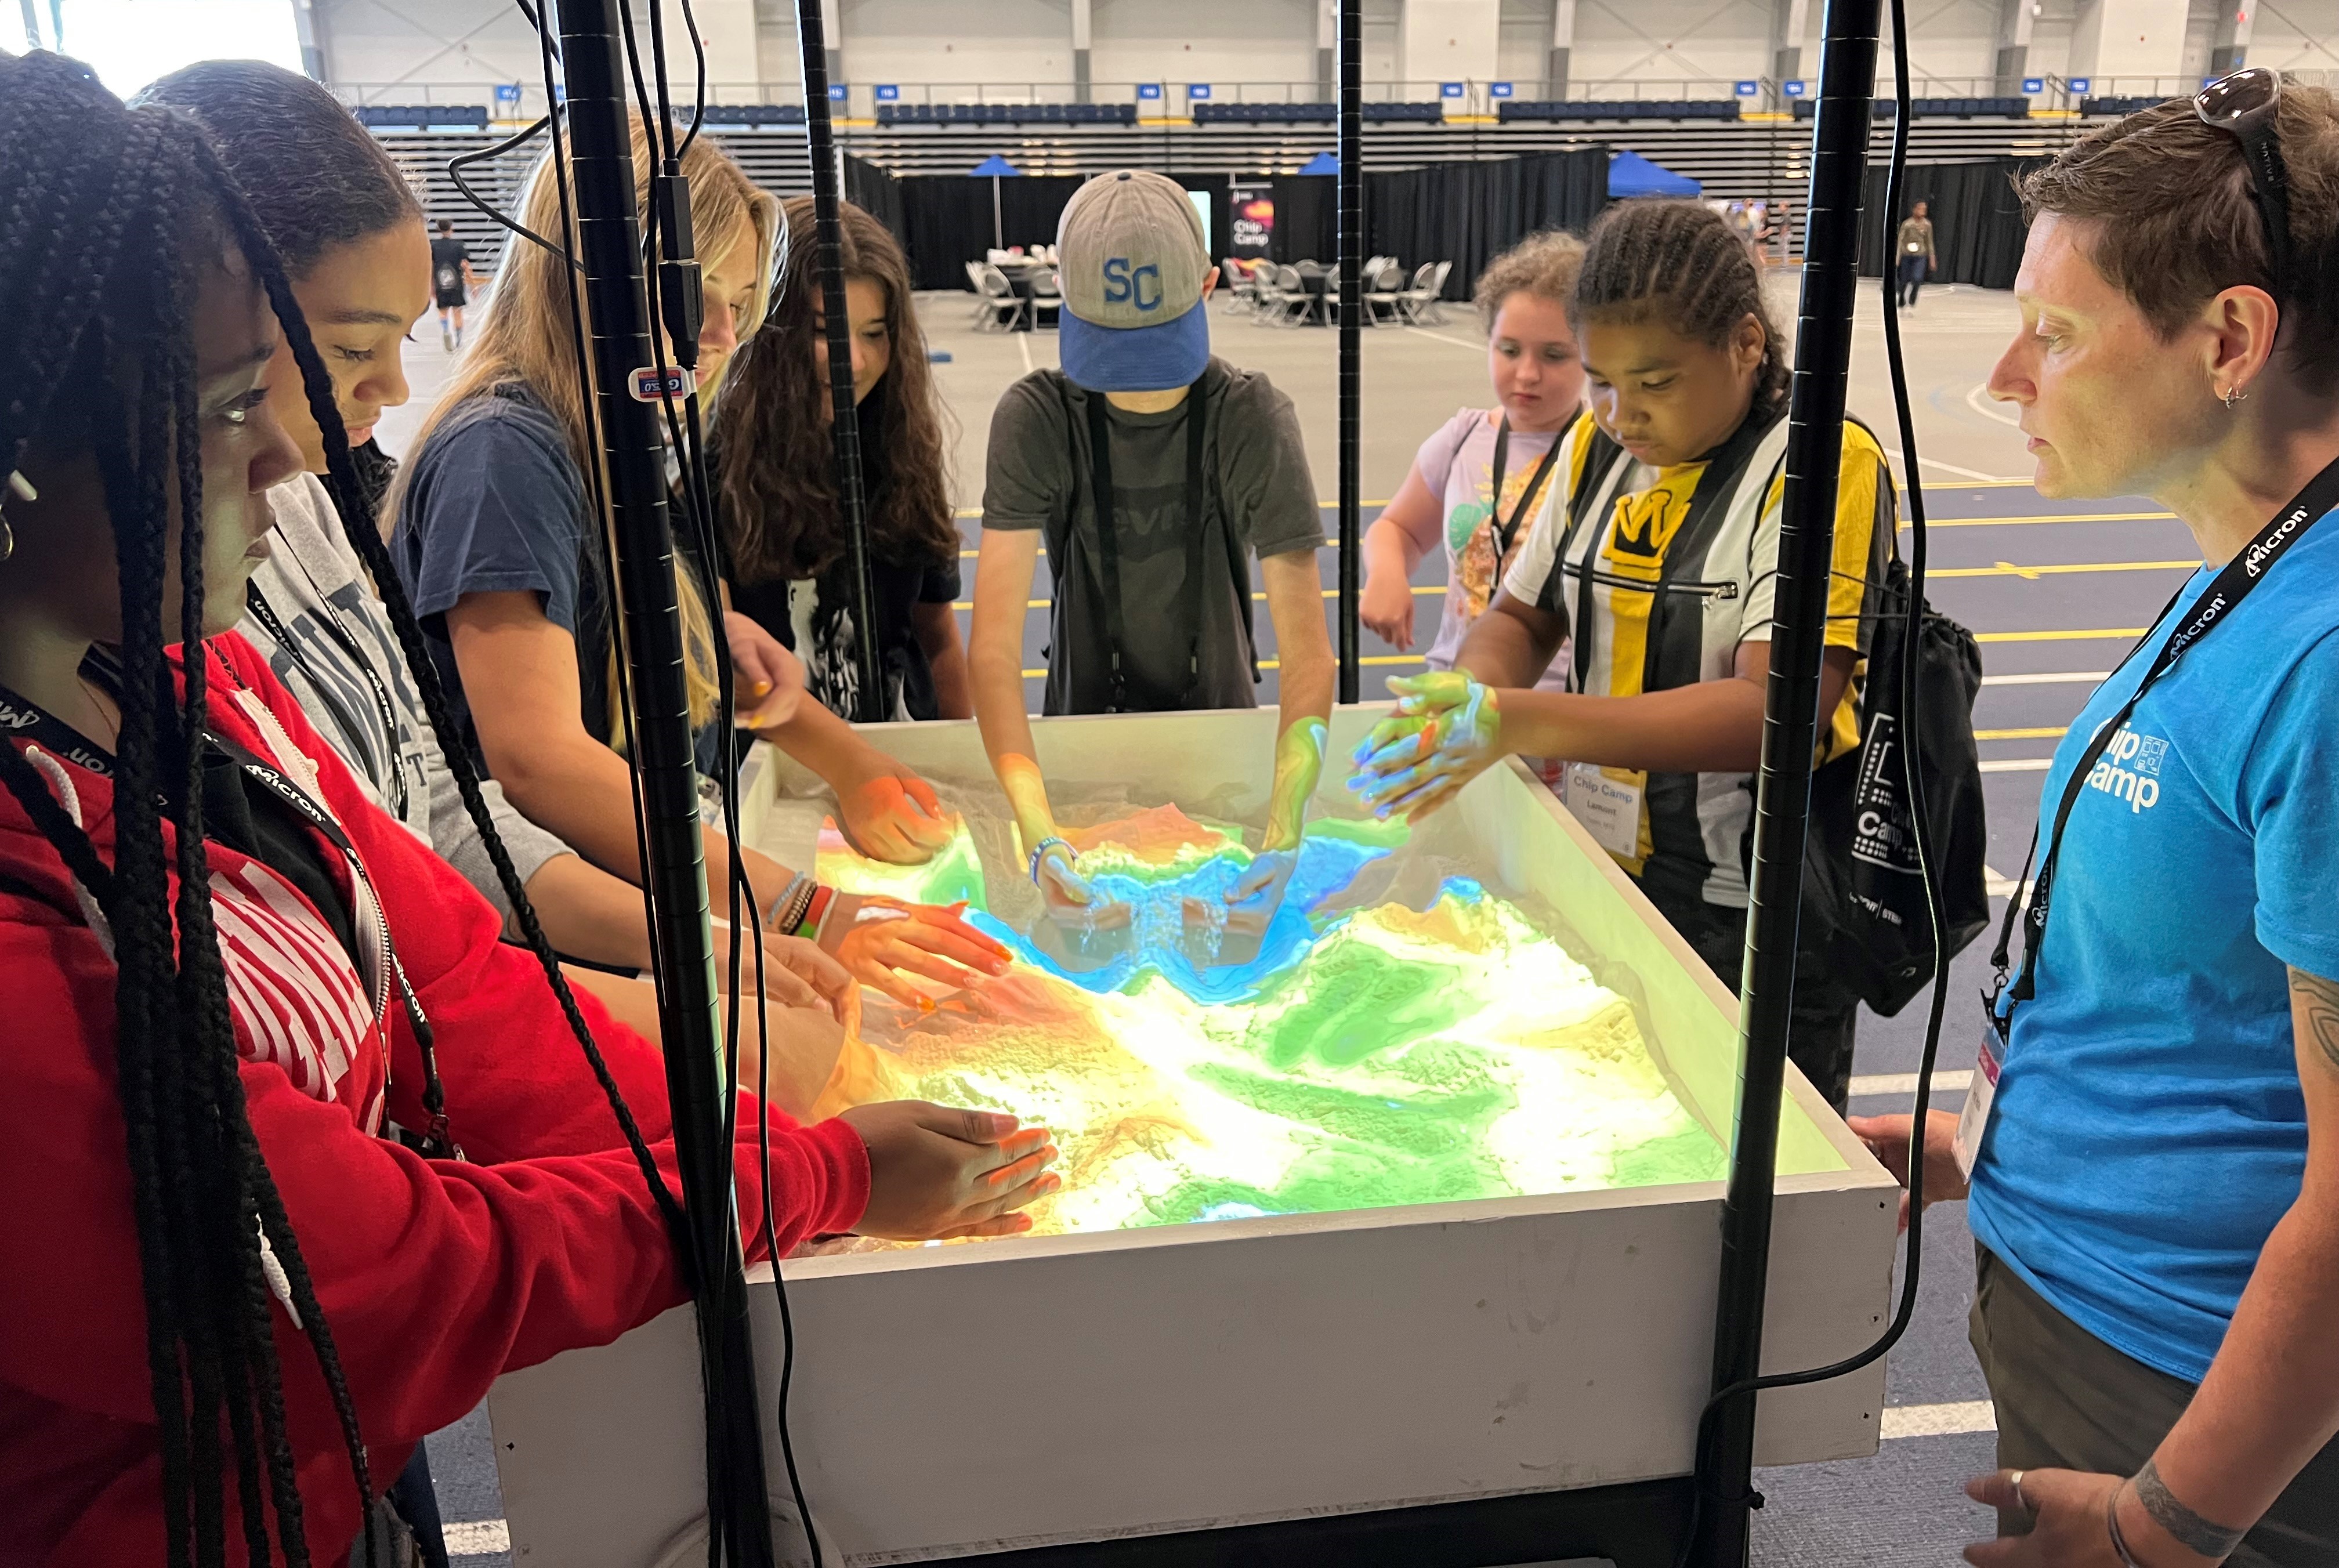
x=1371 y=1051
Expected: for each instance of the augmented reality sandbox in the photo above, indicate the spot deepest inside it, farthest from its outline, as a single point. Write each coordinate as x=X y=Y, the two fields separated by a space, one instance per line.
x=1414 y=1200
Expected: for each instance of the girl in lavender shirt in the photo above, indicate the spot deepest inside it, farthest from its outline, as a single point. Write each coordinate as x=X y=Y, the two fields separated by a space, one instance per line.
x=1448 y=501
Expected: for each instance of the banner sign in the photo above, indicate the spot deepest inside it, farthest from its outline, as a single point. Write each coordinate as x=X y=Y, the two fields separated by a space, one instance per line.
x=1253 y=229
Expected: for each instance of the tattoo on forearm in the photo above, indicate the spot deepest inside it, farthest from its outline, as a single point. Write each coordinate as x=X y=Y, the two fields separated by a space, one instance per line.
x=2318 y=1004
x=2191 y=1531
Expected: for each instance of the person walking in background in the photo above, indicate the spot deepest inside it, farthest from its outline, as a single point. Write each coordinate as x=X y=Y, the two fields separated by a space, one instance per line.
x=1476 y=483
x=451 y=282
x=790 y=566
x=1154 y=471
x=1914 y=246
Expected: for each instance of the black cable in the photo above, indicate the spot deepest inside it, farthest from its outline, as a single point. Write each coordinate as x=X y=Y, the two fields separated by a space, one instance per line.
x=461 y=161
x=1910 y=688
x=696 y=497
x=699 y=92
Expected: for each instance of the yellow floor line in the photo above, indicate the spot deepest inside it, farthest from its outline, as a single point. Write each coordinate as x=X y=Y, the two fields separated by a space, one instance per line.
x=1932 y=523
x=1278 y=664
x=2032 y=574
x=2042 y=734
x=2106 y=634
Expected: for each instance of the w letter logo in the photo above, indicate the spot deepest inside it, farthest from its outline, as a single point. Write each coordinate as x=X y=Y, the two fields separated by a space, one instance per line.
x=1645 y=526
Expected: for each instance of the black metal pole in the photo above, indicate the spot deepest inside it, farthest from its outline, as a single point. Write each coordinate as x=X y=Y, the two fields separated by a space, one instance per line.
x=1351 y=186
x=674 y=877
x=1783 y=786
x=844 y=423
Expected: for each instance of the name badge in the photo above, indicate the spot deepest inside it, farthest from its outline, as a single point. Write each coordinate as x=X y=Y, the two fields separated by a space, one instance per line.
x=1608 y=807
x=1973 y=1122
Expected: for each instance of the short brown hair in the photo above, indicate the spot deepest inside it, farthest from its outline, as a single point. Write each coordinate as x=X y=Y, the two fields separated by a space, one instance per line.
x=2176 y=220
x=1545 y=265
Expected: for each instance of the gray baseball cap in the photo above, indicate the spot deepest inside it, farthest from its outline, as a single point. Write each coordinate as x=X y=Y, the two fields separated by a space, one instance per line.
x=1132 y=260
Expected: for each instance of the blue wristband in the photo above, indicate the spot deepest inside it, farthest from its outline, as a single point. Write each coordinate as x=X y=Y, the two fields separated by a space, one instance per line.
x=1040 y=850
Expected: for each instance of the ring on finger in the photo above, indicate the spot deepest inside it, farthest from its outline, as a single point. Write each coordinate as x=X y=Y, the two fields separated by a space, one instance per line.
x=2014 y=1477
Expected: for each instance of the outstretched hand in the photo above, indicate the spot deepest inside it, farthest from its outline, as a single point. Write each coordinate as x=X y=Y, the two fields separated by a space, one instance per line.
x=1446 y=731
x=928 y=940
x=938 y=1172
x=1069 y=899
x=1258 y=893
x=890 y=814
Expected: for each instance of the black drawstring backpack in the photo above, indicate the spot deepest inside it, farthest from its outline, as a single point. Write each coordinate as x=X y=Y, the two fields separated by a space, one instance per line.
x=1863 y=886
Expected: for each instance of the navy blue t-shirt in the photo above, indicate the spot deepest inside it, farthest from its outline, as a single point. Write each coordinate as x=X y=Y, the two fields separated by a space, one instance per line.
x=495 y=503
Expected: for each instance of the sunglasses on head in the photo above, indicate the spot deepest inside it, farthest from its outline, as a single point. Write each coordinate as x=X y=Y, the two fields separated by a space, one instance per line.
x=2245 y=105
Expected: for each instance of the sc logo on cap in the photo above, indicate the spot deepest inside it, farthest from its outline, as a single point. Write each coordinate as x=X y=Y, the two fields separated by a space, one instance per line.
x=1123 y=287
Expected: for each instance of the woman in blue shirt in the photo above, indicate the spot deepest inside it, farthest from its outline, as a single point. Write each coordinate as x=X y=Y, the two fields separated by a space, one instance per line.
x=2156 y=1180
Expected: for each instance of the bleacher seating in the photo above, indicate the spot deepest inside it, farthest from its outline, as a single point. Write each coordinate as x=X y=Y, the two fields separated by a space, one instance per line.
x=423 y=117
x=1618 y=109
x=1007 y=113
x=2114 y=107
x=1208 y=113
x=2013 y=108
x=753 y=116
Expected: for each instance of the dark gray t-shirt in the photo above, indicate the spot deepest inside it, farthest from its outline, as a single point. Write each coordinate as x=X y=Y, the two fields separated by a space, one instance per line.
x=1257 y=485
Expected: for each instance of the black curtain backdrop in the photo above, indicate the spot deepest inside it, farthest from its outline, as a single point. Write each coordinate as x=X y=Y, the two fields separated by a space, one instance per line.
x=875 y=191
x=946 y=220
x=943 y=221
x=1469 y=213
x=1466 y=213
x=1978 y=224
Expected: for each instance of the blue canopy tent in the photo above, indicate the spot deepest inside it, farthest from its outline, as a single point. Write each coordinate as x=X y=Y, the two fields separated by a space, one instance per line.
x=1322 y=164
x=1630 y=174
x=994 y=168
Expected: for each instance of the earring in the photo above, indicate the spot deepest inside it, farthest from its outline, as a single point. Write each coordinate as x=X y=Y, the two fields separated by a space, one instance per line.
x=2232 y=395
x=22 y=486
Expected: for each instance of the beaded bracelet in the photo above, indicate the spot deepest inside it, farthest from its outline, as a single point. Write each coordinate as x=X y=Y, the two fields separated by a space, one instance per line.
x=772 y=916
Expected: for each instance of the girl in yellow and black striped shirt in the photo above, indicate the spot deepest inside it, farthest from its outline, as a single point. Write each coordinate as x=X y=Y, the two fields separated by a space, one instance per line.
x=1659 y=552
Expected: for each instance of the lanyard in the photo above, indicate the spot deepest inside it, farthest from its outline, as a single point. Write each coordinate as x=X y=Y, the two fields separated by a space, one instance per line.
x=1197 y=518
x=384 y=710
x=20 y=716
x=2216 y=606
x=1506 y=532
x=1717 y=487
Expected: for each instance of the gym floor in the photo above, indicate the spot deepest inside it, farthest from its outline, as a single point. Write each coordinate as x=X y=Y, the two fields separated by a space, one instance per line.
x=2056 y=591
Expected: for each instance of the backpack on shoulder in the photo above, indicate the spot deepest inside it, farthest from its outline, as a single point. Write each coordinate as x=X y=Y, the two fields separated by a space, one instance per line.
x=1863 y=888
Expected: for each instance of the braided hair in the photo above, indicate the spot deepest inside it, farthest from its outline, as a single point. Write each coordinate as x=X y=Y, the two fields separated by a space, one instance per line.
x=1679 y=263
x=107 y=213
x=98 y=243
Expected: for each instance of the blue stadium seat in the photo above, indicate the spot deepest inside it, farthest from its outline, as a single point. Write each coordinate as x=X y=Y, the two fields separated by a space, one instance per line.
x=2115 y=105
x=424 y=116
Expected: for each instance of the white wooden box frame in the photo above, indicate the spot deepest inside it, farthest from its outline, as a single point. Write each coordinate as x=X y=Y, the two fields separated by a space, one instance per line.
x=1036 y=1390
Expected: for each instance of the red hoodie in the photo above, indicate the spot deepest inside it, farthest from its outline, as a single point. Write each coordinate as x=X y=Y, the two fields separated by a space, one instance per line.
x=437 y=1276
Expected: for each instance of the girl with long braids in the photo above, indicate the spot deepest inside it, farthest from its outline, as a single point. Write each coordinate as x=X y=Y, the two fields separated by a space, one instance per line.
x=499 y=545
x=350 y=234
x=229 y=971
x=1658 y=547
x=776 y=485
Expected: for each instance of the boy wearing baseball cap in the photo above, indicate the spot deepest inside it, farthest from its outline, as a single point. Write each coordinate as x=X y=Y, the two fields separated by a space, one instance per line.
x=1154 y=471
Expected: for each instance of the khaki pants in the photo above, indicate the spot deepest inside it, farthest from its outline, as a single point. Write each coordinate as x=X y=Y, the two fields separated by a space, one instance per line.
x=2068 y=1401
